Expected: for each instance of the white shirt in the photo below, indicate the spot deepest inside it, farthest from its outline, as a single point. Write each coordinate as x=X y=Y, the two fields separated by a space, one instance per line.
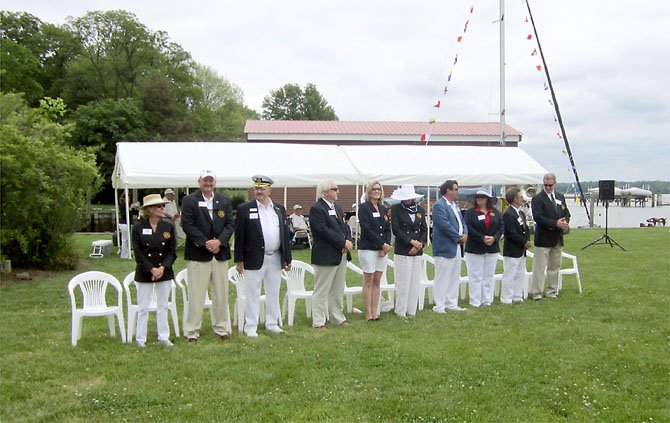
x=457 y=212
x=210 y=205
x=298 y=221
x=270 y=226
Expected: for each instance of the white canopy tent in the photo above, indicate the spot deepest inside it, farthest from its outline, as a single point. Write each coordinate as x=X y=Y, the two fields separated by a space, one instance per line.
x=178 y=164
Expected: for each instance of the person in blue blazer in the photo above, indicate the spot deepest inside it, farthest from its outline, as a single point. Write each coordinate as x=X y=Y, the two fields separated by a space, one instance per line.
x=262 y=250
x=331 y=244
x=449 y=232
x=373 y=246
x=517 y=241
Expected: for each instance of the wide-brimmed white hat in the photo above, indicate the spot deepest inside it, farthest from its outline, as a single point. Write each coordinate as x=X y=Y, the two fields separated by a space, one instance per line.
x=405 y=192
x=152 y=200
x=484 y=193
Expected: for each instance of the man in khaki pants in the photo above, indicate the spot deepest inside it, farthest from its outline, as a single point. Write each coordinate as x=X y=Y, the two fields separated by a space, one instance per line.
x=207 y=220
x=331 y=244
x=552 y=220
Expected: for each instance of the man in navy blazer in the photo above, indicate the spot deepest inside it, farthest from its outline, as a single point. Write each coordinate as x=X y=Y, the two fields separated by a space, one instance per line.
x=262 y=250
x=449 y=231
x=207 y=220
x=331 y=243
x=517 y=241
x=552 y=220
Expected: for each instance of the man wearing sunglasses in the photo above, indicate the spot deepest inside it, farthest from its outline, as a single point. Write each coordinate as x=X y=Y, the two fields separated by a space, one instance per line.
x=552 y=219
x=331 y=245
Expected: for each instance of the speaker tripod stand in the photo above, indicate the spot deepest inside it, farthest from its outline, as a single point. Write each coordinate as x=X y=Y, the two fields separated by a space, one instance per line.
x=605 y=239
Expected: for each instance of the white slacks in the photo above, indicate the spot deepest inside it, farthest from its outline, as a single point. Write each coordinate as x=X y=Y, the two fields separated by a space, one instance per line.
x=270 y=275
x=549 y=260
x=144 y=291
x=481 y=268
x=513 y=279
x=407 y=284
x=199 y=274
x=447 y=281
x=329 y=282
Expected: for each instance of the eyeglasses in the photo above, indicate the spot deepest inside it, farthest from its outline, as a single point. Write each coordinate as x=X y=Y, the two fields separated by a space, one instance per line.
x=334 y=189
x=549 y=185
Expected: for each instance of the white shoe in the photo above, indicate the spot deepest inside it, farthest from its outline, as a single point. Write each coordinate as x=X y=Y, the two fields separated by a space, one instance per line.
x=456 y=308
x=140 y=344
x=438 y=310
x=166 y=342
x=251 y=334
x=275 y=329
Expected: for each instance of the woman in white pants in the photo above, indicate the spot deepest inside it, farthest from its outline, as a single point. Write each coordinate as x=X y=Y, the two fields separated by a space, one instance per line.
x=517 y=242
x=485 y=227
x=155 y=249
x=408 y=221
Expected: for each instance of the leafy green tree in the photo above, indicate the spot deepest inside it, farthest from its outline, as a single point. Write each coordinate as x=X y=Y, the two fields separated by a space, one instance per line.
x=44 y=183
x=101 y=124
x=291 y=102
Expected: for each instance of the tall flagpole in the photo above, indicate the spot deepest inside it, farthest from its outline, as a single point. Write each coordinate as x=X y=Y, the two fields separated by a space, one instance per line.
x=502 y=73
x=558 y=116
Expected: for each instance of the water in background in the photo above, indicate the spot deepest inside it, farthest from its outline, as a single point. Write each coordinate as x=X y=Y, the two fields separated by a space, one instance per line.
x=619 y=217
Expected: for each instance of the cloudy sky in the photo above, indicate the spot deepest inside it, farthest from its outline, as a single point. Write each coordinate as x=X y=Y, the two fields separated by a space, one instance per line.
x=609 y=62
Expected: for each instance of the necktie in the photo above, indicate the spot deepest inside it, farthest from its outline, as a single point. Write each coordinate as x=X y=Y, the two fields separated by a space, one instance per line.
x=522 y=216
x=553 y=200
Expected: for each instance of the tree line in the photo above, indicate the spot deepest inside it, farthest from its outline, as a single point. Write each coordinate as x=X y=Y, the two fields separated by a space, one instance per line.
x=69 y=93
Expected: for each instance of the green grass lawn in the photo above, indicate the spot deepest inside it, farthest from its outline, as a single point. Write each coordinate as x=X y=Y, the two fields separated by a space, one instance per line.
x=599 y=356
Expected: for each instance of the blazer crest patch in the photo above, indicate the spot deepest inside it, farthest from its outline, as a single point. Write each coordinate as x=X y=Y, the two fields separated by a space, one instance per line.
x=167 y=235
x=221 y=214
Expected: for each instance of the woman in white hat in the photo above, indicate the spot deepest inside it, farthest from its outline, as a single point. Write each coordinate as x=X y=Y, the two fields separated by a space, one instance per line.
x=485 y=227
x=155 y=249
x=408 y=221
x=373 y=246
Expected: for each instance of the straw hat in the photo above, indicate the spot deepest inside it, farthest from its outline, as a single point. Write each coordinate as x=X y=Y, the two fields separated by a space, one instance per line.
x=152 y=200
x=405 y=192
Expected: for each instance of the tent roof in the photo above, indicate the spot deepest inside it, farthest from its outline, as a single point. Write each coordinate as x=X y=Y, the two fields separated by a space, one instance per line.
x=178 y=164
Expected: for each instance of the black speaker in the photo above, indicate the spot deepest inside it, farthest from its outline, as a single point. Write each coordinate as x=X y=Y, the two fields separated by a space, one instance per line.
x=606 y=190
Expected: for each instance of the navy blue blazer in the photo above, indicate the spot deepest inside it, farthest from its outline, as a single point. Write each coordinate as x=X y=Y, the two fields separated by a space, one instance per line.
x=329 y=233
x=200 y=227
x=516 y=233
x=405 y=230
x=249 y=241
x=545 y=214
x=375 y=231
x=153 y=249
x=477 y=230
x=445 y=229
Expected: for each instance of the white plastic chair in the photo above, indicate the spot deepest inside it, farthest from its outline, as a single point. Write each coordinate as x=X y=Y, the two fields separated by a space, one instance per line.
x=350 y=291
x=497 y=279
x=182 y=282
x=237 y=279
x=385 y=286
x=529 y=273
x=465 y=280
x=295 y=289
x=93 y=287
x=574 y=270
x=129 y=281
x=426 y=284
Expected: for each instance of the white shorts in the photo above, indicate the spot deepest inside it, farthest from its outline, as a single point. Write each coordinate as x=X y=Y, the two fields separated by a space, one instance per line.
x=371 y=262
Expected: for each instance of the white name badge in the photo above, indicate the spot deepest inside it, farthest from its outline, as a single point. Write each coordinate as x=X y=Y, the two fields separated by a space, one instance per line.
x=376 y=214
x=559 y=202
x=481 y=217
x=253 y=210
x=253 y=215
x=202 y=203
x=332 y=212
x=147 y=231
x=520 y=221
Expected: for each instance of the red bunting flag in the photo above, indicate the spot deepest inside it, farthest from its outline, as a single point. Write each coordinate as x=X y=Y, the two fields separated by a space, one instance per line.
x=438 y=104
x=539 y=68
x=529 y=37
x=460 y=38
x=425 y=137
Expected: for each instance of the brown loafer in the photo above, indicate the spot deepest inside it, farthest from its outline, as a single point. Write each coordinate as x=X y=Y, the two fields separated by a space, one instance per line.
x=320 y=328
x=345 y=323
x=224 y=337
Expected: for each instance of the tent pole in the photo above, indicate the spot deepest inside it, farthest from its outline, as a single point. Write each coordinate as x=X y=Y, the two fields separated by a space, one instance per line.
x=285 y=196
x=428 y=210
x=117 y=233
x=128 y=221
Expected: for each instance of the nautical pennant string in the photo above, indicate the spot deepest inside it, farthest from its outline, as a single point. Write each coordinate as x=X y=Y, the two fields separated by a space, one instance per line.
x=425 y=137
